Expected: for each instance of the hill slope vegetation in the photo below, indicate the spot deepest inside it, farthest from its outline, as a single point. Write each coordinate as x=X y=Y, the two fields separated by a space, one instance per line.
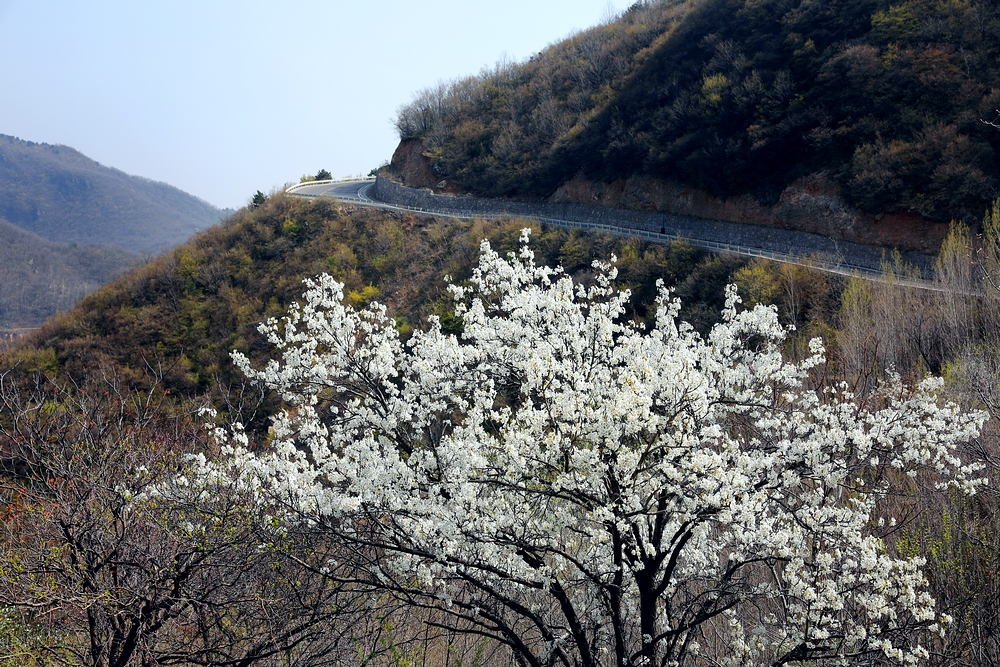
x=39 y=278
x=178 y=317
x=885 y=101
x=63 y=196
x=187 y=309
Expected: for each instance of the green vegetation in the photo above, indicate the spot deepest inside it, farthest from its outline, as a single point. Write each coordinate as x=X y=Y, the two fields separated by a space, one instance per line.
x=321 y=175
x=740 y=97
x=63 y=196
x=184 y=312
x=257 y=199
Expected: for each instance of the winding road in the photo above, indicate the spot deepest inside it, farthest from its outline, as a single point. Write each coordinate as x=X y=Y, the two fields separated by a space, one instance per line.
x=849 y=259
x=353 y=190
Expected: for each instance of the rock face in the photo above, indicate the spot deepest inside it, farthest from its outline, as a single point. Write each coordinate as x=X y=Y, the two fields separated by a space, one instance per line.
x=810 y=204
x=411 y=165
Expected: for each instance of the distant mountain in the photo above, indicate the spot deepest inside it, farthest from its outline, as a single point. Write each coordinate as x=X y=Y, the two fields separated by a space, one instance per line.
x=64 y=196
x=836 y=116
x=39 y=278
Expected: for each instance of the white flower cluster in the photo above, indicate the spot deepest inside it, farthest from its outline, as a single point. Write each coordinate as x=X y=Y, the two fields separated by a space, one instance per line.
x=647 y=490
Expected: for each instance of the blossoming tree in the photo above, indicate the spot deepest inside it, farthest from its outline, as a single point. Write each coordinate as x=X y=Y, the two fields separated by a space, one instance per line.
x=586 y=492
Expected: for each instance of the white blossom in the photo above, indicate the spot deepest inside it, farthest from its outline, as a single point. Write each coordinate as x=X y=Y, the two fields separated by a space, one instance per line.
x=654 y=493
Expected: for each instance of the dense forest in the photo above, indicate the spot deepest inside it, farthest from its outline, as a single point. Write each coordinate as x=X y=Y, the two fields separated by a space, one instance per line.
x=890 y=100
x=65 y=197
x=130 y=370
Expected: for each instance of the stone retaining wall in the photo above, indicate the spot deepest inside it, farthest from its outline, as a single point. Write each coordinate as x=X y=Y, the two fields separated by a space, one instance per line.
x=712 y=233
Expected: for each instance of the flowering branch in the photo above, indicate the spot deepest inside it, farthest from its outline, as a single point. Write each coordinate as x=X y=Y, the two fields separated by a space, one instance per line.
x=591 y=493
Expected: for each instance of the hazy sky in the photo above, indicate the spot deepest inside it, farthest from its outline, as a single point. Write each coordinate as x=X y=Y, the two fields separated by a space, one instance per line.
x=221 y=98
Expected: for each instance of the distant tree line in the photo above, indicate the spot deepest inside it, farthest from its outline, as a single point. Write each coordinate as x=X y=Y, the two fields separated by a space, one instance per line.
x=39 y=278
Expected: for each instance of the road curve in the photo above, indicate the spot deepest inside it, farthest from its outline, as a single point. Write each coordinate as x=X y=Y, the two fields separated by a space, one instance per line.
x=351 y=189
x=359 y=191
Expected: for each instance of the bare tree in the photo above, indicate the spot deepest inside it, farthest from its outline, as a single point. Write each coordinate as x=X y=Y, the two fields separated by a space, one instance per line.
x=119 y=561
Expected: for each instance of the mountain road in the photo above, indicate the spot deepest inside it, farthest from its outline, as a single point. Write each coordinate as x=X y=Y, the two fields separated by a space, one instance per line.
x=844 y=258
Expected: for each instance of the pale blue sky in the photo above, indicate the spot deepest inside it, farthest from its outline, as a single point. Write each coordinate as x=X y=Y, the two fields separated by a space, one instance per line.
x=221 y=98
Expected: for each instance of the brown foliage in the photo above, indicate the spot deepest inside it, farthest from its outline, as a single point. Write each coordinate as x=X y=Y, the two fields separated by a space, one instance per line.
x=115 y=558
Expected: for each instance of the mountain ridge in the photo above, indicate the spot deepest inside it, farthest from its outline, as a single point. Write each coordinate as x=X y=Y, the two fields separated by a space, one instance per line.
x=60 y=194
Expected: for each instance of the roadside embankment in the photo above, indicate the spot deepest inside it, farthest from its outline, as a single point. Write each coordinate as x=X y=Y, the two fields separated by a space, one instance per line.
x=713 y=234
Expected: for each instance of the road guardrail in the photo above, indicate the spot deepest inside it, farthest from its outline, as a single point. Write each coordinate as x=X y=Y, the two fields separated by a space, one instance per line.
x=836 y=266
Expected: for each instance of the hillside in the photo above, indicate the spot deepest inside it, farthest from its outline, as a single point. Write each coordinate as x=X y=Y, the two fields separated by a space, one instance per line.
x=176 y=319
x=63 y=196
x=39 y=278
x=858 y=119
x=185 y=311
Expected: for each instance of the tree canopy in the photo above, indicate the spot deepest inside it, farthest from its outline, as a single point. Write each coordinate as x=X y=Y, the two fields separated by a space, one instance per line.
x=588 y=492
